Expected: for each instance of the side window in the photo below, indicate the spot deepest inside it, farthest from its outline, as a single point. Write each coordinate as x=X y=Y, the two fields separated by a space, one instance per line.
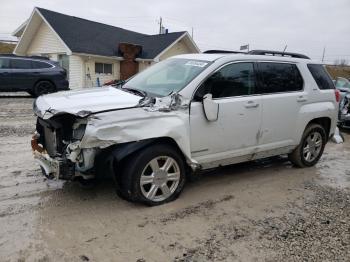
x=40 y=65
x=232 y=80
x=20 y=64
x=321 y=76
x=279 y=77
x=4 y=63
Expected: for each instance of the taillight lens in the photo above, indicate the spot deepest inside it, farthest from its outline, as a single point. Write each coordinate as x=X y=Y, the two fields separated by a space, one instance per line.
x=337 y=95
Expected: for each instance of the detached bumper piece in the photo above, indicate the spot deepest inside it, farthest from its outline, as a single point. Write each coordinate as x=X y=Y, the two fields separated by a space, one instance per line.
x=53 y=168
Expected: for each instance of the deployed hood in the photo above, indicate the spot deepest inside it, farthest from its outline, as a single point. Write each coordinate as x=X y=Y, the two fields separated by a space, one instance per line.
x=84 y=102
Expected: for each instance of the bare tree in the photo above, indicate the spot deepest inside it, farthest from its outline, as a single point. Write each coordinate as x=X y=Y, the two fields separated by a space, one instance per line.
x=341 y=62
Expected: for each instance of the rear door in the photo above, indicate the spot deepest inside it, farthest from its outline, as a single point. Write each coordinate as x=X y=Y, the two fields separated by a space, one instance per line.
x=234 y=133
x=4 y=74
x=282 y=93
x=22 y=74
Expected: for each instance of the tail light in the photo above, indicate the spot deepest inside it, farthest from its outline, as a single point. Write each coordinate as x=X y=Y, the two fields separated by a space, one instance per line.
x=337 y=95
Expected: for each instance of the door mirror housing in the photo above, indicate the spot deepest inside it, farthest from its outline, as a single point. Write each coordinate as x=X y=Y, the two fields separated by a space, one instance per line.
x=211 y=108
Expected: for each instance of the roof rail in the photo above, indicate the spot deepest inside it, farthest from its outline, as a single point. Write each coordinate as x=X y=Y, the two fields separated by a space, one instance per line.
x=277 y=53
x=11 y=55
x=33 y=57
x=222 y=52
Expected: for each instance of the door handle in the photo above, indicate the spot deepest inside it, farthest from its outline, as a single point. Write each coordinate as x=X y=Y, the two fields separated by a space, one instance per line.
x=301 y=99
x=251 y=104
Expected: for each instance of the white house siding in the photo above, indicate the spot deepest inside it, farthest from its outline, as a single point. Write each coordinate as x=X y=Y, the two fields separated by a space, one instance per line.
x=45 y=42
x=178 y=49
x=90 y=69
x=76 y=72
x=144 y=64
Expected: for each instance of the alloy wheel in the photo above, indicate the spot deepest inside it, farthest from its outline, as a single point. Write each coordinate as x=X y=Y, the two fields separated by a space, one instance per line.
x=312 y=146
x=160 y=178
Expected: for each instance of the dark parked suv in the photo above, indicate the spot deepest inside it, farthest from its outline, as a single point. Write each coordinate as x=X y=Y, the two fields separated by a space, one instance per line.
x=34 y=75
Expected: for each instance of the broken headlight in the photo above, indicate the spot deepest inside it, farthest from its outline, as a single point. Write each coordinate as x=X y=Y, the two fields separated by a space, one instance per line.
x=78 y=131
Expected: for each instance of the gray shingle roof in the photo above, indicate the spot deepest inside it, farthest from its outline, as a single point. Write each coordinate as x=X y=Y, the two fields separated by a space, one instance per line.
x=85 y=36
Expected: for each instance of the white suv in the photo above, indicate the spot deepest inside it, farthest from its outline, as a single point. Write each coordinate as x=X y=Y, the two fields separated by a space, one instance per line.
x=185 y=114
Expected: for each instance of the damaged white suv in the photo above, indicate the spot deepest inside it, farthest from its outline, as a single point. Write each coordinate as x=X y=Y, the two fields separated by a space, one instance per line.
x=185 y=114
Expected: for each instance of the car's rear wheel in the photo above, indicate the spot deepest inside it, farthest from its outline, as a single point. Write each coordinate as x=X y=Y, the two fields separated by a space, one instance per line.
x=42 y=88
x=311 y=146
x=154 y=175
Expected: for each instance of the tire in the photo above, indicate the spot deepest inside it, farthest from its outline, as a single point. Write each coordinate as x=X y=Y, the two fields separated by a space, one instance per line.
x=309 y=151
x=163 y=188
x=42 y=88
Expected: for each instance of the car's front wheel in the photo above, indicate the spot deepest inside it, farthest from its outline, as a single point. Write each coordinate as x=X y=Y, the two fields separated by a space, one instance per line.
x=311 y=146
x=154 y=175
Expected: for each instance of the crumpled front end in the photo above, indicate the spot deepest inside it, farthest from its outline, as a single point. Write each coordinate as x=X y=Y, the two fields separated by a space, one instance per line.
x=344 y=111
x=54 y=146
x=67 y=145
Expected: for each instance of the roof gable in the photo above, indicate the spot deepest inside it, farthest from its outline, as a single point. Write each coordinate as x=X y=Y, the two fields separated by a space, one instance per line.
x=85 y=36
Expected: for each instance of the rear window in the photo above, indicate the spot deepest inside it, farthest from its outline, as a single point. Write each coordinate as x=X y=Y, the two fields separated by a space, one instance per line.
x=279 y=77
x=321 y=76
x=21 y=64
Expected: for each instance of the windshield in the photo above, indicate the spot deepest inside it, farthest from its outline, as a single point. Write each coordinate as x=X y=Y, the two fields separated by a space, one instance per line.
x=342 y=83
x=167 y=76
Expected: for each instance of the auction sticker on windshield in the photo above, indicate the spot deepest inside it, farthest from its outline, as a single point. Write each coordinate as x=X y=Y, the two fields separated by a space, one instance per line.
x=196 y=63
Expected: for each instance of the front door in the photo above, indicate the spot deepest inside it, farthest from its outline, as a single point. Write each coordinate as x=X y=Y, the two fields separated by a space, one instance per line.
x=235 y=132
x=4 y=74
x=22 y=75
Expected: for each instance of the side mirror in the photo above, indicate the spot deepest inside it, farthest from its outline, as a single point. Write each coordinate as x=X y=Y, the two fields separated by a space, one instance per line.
x=211 y=108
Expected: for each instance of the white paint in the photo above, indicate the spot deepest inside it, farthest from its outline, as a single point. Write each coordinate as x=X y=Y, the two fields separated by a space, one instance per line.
x=91 y=79
x=177 y=49
x=76 y=72
x=45 y=42
x=239 y=133
x=89 y=99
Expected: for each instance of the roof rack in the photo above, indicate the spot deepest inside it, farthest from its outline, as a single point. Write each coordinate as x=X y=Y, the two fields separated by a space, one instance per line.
x=277 y=53
x=33 y=57
x=258 y=52
x=222 y=52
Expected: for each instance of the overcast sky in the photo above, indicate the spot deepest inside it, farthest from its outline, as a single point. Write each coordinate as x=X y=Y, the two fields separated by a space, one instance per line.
x=306 y=26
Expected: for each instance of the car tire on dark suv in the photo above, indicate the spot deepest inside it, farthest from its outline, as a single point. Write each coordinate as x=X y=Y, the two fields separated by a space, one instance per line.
x=43 y=87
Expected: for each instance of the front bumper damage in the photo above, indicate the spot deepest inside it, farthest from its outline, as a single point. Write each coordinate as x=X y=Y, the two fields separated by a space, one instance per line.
x=53 y=168
x=344 y=111
x=50 y=166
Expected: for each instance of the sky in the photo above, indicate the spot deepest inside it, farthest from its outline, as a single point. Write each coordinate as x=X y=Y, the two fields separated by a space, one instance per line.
x=304 y=26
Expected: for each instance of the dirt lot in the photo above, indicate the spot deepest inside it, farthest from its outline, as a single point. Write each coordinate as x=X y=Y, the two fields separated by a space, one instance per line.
x=260 y=211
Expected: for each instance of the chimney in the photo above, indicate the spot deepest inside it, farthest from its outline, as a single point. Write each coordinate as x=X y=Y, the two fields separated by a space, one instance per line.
x=129 y=67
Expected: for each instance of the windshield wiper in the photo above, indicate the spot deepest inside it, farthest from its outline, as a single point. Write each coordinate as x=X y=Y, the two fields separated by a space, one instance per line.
x=135 y=91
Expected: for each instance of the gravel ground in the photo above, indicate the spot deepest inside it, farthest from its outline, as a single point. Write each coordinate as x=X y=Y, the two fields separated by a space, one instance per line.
x=259 y=211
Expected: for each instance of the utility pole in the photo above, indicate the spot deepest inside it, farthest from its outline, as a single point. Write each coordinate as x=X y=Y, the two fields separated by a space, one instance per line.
x=285 y=48
x=192 y=33
x=160 y=25
x=324 y=51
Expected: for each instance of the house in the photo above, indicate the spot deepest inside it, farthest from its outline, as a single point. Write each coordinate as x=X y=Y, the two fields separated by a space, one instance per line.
x=93 y=52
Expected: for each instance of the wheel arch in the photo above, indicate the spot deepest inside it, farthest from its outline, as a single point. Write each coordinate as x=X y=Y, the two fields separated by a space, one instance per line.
x=114 y=156
x=325 y=122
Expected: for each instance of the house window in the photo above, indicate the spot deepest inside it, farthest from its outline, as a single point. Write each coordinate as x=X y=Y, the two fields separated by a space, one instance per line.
x=101 y=68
